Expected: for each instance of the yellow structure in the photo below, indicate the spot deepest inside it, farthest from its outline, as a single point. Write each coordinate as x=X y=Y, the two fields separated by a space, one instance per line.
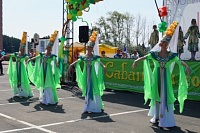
x=109 y=50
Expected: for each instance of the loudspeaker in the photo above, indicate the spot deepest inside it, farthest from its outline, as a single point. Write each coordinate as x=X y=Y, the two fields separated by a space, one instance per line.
x=83 y=34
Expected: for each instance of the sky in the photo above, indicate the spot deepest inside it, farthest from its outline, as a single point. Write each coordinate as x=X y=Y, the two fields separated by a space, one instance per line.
x=45 y=16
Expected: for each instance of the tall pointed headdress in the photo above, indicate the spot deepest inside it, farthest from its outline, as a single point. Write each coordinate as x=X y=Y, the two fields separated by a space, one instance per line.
x=23 y=40
x=170 y=31
x=52 y=39
x=91 y=43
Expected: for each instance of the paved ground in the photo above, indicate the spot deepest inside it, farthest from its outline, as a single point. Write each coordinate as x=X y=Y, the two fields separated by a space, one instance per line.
x=125 y=112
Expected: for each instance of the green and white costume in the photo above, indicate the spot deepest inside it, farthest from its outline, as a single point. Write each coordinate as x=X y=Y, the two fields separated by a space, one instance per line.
x=193 y=33
x=45 y=78
x=18 y=76
x=158 y=88
x=90 y=81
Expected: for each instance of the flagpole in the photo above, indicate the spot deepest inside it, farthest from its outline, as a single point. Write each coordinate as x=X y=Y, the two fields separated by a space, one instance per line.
x=158 y=11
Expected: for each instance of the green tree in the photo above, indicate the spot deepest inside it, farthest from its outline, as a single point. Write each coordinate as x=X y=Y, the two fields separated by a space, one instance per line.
x=104 y=30
x=10 y=44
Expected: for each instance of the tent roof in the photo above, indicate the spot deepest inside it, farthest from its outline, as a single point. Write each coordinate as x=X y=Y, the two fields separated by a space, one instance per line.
x=107 y=46
x=78 y=44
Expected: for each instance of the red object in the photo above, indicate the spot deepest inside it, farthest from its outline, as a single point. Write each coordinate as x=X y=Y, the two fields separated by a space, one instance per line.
x=162 y=11
x=71 y=7
x=83 y=2
x=77 y=9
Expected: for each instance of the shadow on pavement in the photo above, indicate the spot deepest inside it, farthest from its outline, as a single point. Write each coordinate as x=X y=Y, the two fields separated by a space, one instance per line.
x=164 y=130
x=191 y=108
x=23 y=101
x=125 y=98
x=100 y=117
x=52 y=108
x=74 y=90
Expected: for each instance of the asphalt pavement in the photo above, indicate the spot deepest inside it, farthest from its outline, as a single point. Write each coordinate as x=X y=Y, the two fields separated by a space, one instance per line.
x=124 y=112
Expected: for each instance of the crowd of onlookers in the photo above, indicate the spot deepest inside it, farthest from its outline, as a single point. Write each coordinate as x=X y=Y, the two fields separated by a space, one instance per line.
x=121 y=54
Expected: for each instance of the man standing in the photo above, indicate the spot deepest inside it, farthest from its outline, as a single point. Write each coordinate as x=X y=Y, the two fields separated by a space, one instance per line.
x=154 y=38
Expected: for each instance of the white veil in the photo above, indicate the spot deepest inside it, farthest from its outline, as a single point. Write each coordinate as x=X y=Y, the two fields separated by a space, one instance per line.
x=96 y=52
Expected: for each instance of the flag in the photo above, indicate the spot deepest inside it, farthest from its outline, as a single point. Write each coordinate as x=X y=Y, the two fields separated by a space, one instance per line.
x=125 y=49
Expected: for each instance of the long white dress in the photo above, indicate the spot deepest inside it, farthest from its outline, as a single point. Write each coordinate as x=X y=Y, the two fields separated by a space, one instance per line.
x=95 y=104
x=160 y=111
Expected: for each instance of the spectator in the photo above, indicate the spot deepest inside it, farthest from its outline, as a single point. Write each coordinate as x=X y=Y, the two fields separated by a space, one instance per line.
x=75 y=55
x=3 y=52
x=154 y=37
x=124 y=55
x=118 y=55
x=180 y=42
x=1 y=66
x=32 y=53
x=134 y=55
x=103 y=54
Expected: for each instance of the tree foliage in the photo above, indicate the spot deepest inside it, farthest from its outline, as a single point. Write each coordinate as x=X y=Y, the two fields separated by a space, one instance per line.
x=10 y=44
x=118 y=29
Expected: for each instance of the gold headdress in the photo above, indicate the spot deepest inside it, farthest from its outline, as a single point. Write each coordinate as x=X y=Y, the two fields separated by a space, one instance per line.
x=23 y=40
x=92 y=39
x=52 y=38
x=170 y=31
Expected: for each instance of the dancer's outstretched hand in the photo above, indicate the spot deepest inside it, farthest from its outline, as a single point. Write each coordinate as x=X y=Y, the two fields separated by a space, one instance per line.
x=134 y=65
x=188 y=70
x=28 y=61
x=105 y=70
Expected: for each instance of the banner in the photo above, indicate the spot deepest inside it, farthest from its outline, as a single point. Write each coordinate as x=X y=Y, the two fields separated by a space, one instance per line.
x=120 y=76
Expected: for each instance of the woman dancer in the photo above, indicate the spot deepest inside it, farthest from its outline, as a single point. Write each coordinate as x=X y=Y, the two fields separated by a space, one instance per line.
x=158 y=84
x=18 y=76
x=90 y=80
x=45 y=77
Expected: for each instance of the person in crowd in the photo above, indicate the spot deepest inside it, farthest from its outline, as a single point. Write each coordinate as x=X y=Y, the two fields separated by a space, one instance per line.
x=90 y=80
x=124 y=55
x=158 y=84
x=103 y=54
x=180 y=42
x=134 y=55
x=18 y=76
x=76 y=54
x=118 y=54
x=154 y=38
x=193 y=33
x=32 y=53
x=1 y=66
x=44 y=76
x=3 y=52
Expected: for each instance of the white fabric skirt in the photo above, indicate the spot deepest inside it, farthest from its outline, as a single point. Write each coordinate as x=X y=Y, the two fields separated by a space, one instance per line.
x=160 y=111
x=165 y=120
x=92 y=105
x=48 y=97
x=21 y=92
